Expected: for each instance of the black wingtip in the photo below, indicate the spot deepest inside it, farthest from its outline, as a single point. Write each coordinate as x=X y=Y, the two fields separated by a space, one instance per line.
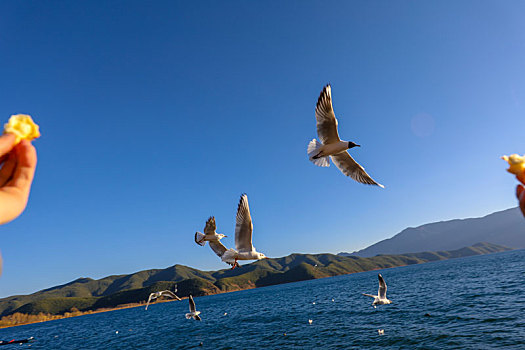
x=240 y=201
x=324 y=94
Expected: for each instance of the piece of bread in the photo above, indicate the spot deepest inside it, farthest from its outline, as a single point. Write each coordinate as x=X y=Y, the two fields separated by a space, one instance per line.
x=23 y=127
x=516 y=166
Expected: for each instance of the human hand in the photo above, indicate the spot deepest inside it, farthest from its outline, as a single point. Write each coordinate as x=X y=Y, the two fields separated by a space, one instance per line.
x=16 y=176
x=520 y=192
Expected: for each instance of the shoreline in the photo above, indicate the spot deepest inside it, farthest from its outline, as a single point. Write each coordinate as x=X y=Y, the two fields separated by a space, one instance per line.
x=79 y=313
x=49 y=318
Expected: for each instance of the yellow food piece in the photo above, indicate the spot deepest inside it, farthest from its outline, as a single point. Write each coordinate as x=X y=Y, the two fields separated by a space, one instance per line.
x=23 y=127
x=516 y=164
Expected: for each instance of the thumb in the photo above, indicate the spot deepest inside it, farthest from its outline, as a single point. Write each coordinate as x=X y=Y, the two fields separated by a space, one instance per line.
x=7 y=141
x=520 y=192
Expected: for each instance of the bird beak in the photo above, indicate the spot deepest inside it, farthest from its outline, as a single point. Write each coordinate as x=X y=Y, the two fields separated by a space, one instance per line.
x=358 y=145
x=266 y=257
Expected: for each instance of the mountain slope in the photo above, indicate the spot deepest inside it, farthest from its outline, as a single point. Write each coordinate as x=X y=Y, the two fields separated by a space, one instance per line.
x=88 y=294
x=505 y=227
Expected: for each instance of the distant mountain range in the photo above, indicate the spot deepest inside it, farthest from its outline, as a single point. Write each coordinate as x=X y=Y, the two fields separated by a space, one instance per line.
x=88 y=294
x=505 y=228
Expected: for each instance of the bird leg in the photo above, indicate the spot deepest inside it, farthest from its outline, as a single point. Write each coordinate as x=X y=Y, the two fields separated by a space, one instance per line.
x=235 y=264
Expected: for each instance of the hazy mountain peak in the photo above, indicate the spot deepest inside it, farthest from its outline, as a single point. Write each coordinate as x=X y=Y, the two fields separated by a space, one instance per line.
x=506 y=227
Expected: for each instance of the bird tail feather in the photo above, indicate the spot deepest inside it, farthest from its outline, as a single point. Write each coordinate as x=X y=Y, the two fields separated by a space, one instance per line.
x=313 y=150
x=199 y=238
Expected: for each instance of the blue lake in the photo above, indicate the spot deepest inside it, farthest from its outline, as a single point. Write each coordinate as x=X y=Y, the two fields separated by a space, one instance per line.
x=474 y=303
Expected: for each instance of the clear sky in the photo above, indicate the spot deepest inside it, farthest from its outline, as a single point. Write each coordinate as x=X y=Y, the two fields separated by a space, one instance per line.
x=157 y=114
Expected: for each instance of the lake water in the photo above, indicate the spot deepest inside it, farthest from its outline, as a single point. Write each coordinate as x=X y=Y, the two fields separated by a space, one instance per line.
x=474 y=303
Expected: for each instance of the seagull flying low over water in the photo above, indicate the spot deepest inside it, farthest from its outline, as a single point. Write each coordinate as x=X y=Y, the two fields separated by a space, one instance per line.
x=331 y=145
x=193 y=312
x=380 y=298
x=209 y=233
x=167 y=293
x=243 y=238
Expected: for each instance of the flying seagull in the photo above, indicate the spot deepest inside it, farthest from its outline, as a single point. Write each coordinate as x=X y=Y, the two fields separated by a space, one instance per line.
x=331 y=145
x=193 y=313
x=156 y=295
x=209 y=233
x=380 y=298
x=243 y=238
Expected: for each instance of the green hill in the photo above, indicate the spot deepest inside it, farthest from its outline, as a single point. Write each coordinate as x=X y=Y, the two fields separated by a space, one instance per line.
x=89 y=294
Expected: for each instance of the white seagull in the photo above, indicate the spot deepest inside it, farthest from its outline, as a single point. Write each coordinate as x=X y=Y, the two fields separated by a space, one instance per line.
x=193 y=313
x=156 y=295
x=243 y=238
x=331 y=145
x=209 y=233
x=380 y=298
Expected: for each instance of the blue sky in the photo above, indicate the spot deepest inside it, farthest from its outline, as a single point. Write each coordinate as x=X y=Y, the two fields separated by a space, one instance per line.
x=156 y=115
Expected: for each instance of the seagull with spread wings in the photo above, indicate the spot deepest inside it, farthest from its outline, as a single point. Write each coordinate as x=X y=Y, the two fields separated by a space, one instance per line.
x=156 y=295
x=331 y=145
x=209 y=233
x=193 y=312
x=380 y=298
x=243 y=238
